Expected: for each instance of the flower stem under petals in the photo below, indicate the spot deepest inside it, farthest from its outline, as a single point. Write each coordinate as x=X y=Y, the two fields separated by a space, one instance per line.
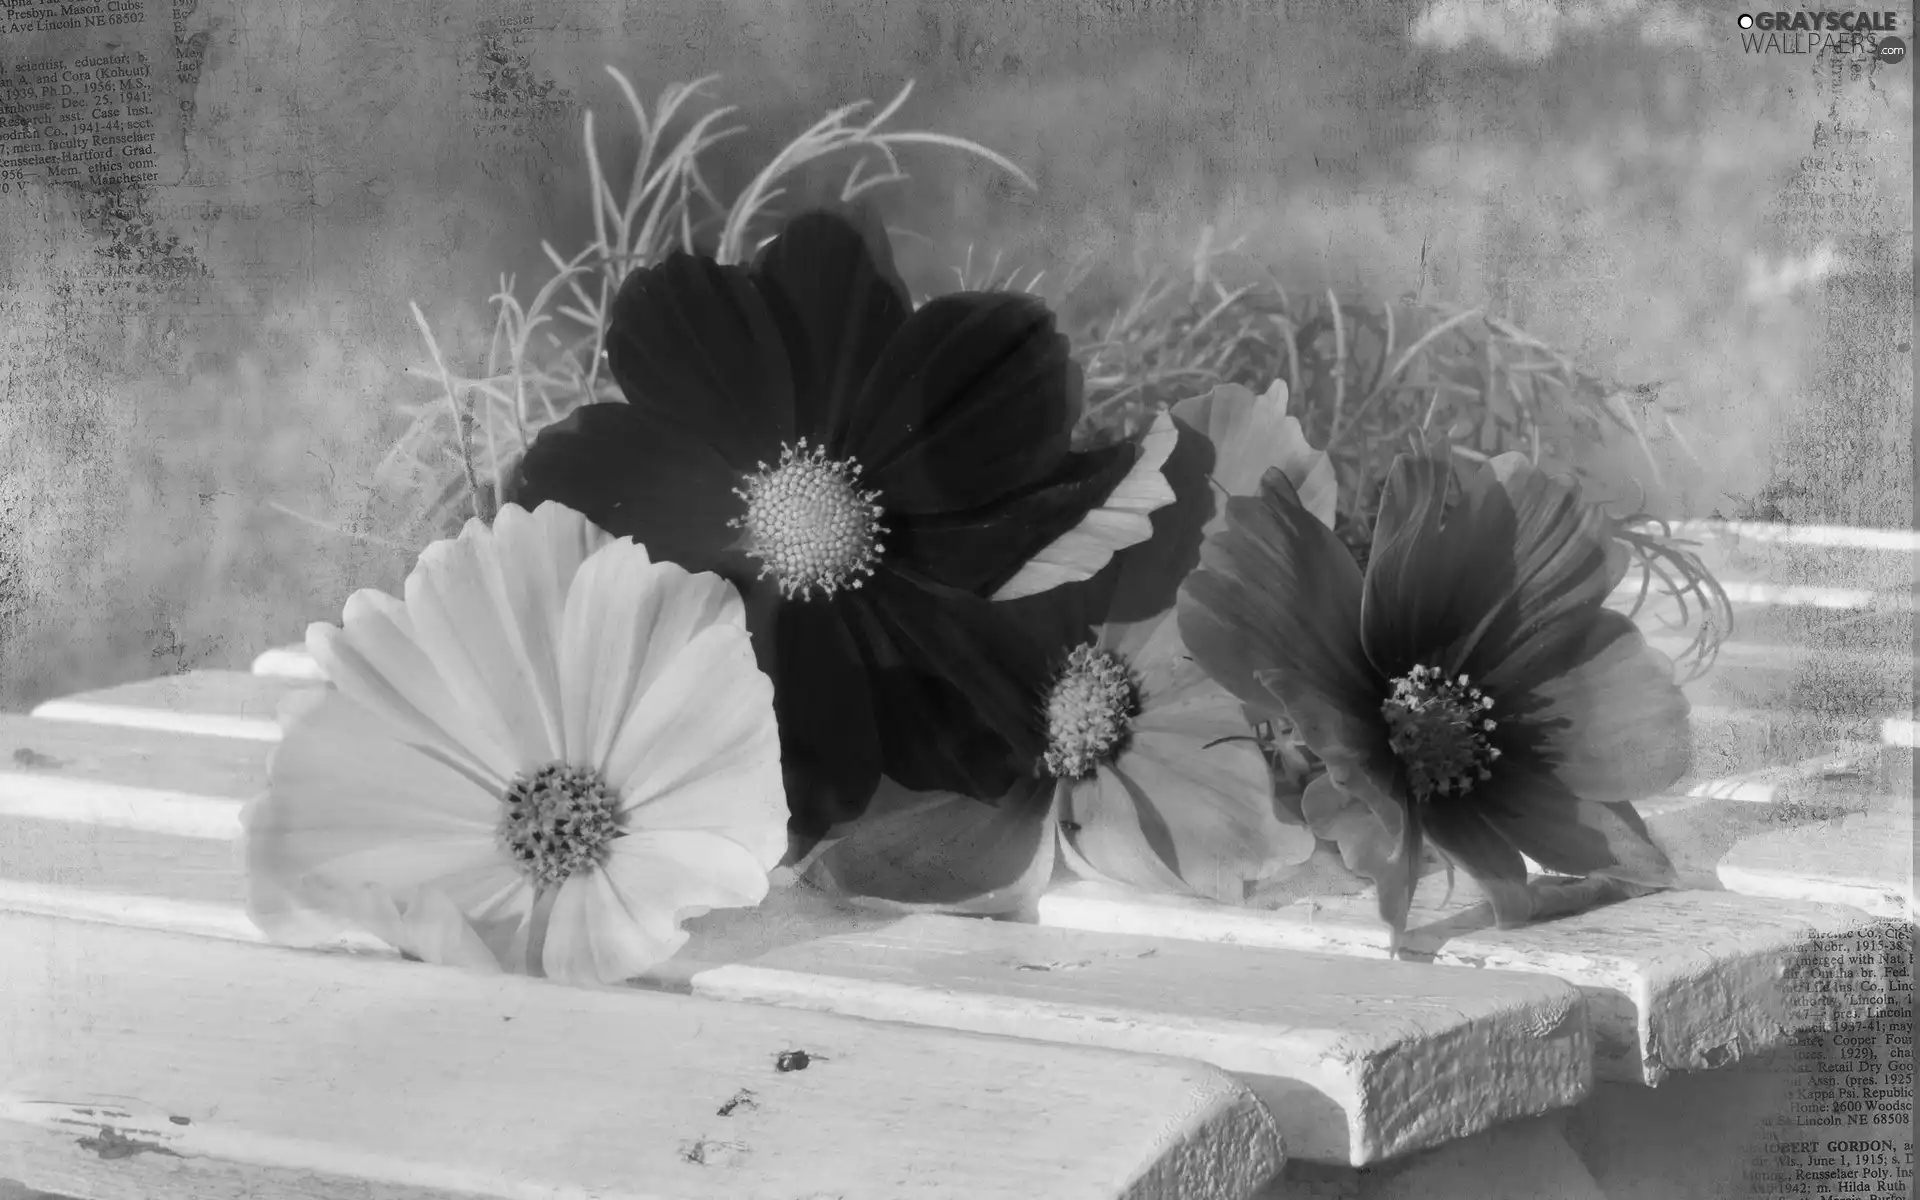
x=537 y=922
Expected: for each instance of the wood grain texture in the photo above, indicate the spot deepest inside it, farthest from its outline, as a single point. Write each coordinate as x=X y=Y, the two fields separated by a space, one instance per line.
x=235 y=704
x=1677 y=981
x=1864 y=860
x=152 y=1065
x=1359 y=1061
x=177 y=784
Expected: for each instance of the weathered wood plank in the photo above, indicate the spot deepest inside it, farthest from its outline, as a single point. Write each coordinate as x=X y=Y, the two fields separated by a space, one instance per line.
x=144 y=1064
x=1864 y=860
x=235 y=704
x=1360 y=1061
x=180 y=784
x=1676 y=981
x=184 y=884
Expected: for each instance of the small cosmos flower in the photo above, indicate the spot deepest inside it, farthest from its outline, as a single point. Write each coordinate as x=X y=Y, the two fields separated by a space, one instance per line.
x=1471 y=690
x=866 y=473
x=545 y=757
x=1150 y=776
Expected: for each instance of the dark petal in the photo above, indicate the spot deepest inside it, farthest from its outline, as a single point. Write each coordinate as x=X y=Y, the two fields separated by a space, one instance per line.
x=1389 y=856
x=1433 y=574
x=1148 y=576
x=1277 y=592
x=692 y=341
x=1123 y=519
x=1541 y=819
x=635 y=475
x=957 y=686
x=966 y=406
x=830 y=283
x=1461 y=831
x=979 y=550
x=1614 y=727
x=825 y=707
x=945 y=853
x=1559 y=577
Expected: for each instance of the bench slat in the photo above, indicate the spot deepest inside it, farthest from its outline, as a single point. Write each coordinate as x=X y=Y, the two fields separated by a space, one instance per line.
x=1360 y=1061
x=236 y=704
x=162 y=1066
x=1676 y=981
x=1862 y=859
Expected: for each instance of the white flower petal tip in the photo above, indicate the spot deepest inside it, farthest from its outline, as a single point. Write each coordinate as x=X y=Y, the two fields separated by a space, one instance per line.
x=1122 y=520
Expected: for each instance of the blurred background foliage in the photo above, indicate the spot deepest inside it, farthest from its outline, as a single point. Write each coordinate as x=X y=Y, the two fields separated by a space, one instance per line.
x=1685 y=270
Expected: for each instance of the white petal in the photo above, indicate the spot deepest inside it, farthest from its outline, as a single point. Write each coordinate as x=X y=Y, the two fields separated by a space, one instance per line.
x=434 y=929
x=626 y=620
x=376 y=661
x=1122 y=520
x=612 y=924
x=701 y=748
x=349 y=804
x=490 y=625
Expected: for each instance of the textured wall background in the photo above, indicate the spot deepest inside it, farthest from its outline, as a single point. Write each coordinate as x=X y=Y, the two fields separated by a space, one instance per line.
x=1617 y=175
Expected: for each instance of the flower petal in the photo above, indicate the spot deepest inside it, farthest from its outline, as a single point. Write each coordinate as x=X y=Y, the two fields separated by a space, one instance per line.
x=1388 y=856
x=1459 y=827
x=1433 y=573
x=969 y=403
x=350 y=806
x=692 y=342
x=1566 y=833
x=1254 y=434
x=1122 y=520
x=1207 y=808
x=982 y=549
x=463 y=618
x=1273 y=614
x=829 y=283
x=699 y=750
x=1564 y=572
x=1101 y=838
x=823 y=696
x=939 y=852
x=375 y=660
x=610 y=925
x=1146 y=578
x=636 y=475
x=958 y=686
x=628 y=622
x=1615 y=727
x=427 y=925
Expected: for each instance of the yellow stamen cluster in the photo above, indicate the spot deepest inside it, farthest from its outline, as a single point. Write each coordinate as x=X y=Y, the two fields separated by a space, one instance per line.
x=809 y=524
x=1090 y=712
x=1439 y=729
x=558 y=820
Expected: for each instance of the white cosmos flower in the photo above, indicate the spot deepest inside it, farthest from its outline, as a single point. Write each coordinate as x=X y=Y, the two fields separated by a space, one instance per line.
x=546 y=757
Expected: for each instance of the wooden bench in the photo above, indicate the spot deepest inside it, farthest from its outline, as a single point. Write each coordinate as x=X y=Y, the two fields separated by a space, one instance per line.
x=1625 y=1052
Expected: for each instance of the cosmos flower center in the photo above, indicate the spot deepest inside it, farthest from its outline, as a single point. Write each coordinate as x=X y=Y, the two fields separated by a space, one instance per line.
x=1439 y=728
x=809 y=524
x=1090 y=712
x=558 y=820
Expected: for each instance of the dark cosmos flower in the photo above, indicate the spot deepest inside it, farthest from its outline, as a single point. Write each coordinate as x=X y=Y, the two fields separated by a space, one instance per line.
x=1471 y=689
x=1150 y=776
x=869 y=475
